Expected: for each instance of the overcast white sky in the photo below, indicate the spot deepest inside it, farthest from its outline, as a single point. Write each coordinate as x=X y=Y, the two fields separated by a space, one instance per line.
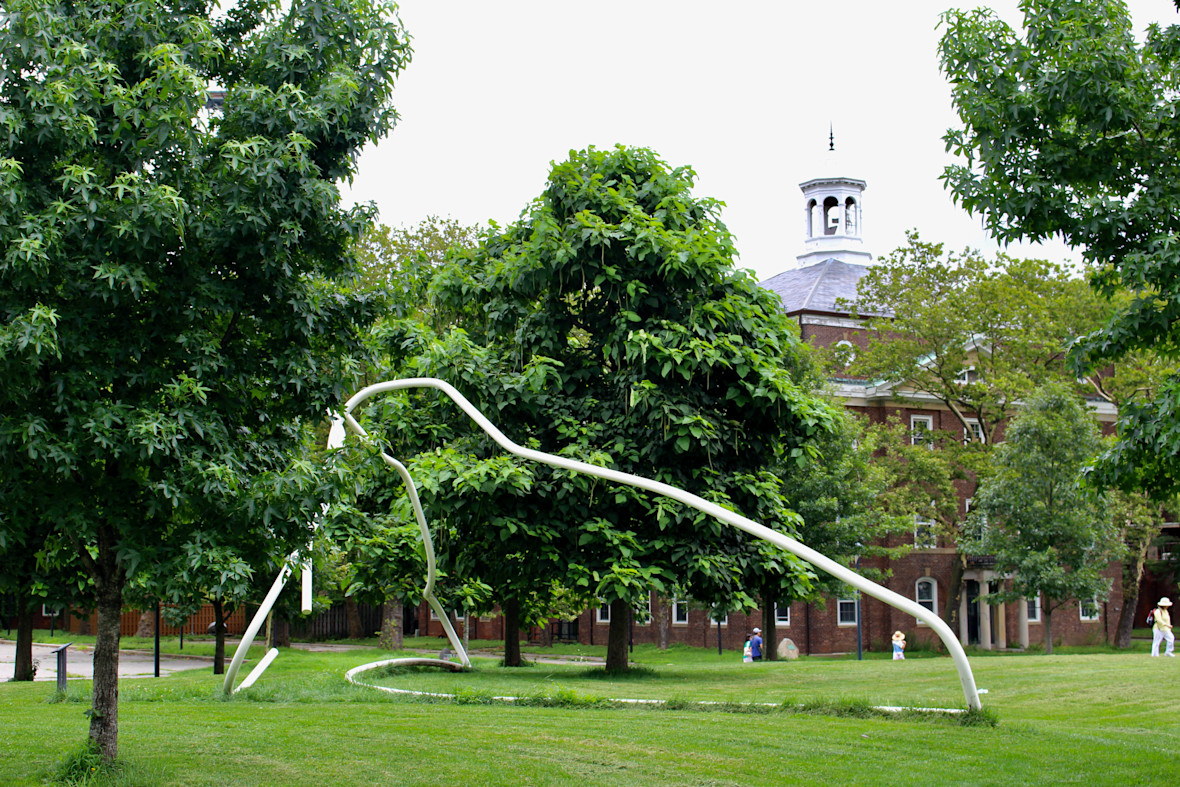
x=743 y=92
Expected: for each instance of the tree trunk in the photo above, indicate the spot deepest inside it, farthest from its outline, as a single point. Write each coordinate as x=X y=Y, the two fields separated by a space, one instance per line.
x=1132 y=576
x=546 y=634
x=1047 y=611
x=108 y=588
x=218 y=637
x=353 y=613
x=769 y=629
x=663 y=613
x=146 y=629
x=616 y=641
x=511 y=610
x=281 y=632
x=392 y=612
x=24 y=639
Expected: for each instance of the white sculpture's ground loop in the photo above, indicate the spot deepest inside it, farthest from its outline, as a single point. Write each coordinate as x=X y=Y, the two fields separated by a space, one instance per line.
x=895 y=600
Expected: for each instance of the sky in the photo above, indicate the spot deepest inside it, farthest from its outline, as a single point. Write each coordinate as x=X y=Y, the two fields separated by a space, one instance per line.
x=743 y=92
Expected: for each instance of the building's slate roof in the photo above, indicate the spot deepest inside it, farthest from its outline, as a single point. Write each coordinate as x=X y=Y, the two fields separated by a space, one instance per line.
x=816 y=288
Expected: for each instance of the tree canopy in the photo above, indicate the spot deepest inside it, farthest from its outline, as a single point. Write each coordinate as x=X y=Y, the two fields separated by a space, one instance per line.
x=1047 y=530
x=657 y=356
x=1069 y=130
x=170 y=241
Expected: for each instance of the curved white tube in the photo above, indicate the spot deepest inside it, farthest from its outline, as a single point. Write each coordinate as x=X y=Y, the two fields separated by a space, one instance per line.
x=966 y=677
x=958 y=655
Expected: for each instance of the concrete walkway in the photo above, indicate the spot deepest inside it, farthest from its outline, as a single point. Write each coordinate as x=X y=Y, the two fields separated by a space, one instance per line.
x=80 y=664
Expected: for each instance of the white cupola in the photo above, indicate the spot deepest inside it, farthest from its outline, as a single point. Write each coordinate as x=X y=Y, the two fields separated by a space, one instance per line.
x=833 y=219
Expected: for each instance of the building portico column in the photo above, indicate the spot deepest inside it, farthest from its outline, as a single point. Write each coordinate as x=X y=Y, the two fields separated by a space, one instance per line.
x=963 y=613
x=1022 y=622
x=985 y=613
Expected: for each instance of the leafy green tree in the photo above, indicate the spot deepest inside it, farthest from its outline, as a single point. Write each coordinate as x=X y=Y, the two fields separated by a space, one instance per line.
x=976 y=335
x=402 y=261
x=1139 y=520
x=1069 y=131
x=839 y=501
x=1047 y=530
x=659 y=356
x=168 y=305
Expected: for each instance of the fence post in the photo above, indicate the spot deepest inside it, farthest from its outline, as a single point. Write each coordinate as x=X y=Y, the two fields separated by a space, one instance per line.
x=61 y=666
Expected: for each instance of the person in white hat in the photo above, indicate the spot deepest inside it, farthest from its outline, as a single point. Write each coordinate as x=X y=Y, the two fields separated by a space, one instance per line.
x=1161 y=628
x=898 y=646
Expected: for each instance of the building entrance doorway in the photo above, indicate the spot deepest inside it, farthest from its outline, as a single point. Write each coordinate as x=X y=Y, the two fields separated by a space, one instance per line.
x=971 y=591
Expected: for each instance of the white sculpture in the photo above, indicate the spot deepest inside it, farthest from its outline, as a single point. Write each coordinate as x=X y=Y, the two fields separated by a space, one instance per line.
x=347 y=422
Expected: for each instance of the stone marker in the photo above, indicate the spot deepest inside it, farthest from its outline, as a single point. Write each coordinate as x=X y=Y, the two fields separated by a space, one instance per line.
x=787 y=650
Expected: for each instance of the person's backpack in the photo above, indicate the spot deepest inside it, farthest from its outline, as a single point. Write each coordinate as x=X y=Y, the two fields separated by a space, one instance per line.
x=1151 y=618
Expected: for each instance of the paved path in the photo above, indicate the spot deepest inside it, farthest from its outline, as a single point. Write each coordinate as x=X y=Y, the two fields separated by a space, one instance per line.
x=79 y=662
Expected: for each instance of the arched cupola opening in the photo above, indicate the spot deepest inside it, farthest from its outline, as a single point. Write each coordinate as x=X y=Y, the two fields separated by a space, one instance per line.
x=851 y=216
x=831 y=216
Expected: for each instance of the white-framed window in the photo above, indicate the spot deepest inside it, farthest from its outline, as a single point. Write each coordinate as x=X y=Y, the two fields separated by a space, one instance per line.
x=973 y=431
x=679 y=612
x=1034 y=610
x=782 y=615
x=926 y=594
x=723 y=620
x=1088 y=609
x=48 y=612
x=459 y=616
x=968 y=375
x=845 y=351
x=643 y=612
x=603 y=613
x=846 y=612
x=920 y=428
x=924 y=535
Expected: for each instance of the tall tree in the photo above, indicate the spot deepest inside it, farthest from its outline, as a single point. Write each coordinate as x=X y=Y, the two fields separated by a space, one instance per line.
x=1069 y=130
x=1047 y=530
x=839 y=500
x=974 y=334
x=977 y=336
x=167 y=296
x=664 y=359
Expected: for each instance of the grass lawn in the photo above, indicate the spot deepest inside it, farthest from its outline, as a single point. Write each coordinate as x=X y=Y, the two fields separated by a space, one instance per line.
x=1079 y=717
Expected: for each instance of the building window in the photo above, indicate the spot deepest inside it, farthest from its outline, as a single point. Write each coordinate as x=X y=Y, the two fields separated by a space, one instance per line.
x=1088 y=609
x=924 y=535
x=723 y=620
x=1034 y=610
x=926 y=594
x=968 y=375
x=643 y=612
x=846 y=611
x=920 y=428
x=844 y=352
x=604 y=613
x=973 y=432
x=782 y=615
x=457 y=613
x=680 y=612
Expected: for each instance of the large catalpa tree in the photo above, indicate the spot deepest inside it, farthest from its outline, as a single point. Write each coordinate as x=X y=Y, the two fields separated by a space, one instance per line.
x=660 y=358
x=168 y=305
